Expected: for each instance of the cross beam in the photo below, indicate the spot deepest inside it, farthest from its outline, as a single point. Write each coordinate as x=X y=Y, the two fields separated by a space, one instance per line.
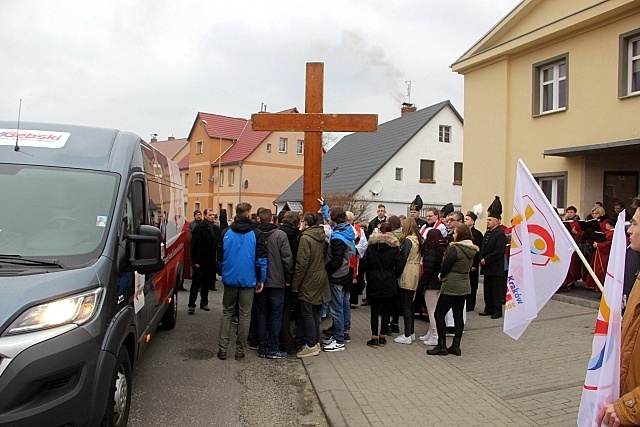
x=313 y=123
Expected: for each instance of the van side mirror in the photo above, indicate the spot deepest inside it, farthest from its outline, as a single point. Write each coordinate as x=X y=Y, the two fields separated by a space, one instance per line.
x=146 y=257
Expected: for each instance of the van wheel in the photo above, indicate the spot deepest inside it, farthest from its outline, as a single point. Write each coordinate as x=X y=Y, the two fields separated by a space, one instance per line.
x=116 y=413
x=170 y=317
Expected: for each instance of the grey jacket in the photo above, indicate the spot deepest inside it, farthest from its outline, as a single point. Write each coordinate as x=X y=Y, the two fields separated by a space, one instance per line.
x=279 y=258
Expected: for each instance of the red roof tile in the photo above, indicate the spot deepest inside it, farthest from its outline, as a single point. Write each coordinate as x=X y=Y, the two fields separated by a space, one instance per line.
x=184 y=162
x=170 y=147
x=245 y=139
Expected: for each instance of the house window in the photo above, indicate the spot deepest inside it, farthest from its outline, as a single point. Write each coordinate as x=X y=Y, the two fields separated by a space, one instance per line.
x=398 y=174
x=230 y=212
x=300 y=147
x=282 y=147
x=457 y=173
x=185 y=206
x=444 y=133
x=426 y=170
x=231 y=177
x=268 y=148
x=186 y=180
x=196 y=206
x=551 y=86
x=221 y=178
x=199 y=147
x=554 y=186
x=198 y=178
x=629 y=80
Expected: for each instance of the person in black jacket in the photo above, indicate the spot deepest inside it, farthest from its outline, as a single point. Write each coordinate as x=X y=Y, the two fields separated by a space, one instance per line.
x=435 y=246
x=492 y=265
x=477 y=238
x=290 y=223
x=204 y=242
x=383 y=265
x=379 y=219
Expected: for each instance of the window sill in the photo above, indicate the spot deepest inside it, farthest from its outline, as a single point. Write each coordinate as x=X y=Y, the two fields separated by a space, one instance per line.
x=427 y=181
x=457 y=182
x=630 y=95
x=546 y=113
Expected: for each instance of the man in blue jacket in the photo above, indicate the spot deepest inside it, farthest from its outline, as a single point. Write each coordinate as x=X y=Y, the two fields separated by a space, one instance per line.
x=242 y=254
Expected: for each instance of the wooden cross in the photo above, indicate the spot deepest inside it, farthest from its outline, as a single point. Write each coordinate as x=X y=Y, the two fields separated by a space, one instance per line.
x=313 y=122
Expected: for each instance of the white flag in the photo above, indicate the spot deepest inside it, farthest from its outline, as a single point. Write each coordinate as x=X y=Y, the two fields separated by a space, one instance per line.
x=602 y=383
x=540 y=254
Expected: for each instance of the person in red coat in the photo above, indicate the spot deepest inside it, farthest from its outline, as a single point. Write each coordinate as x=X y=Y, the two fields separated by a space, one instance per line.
x=601 y=253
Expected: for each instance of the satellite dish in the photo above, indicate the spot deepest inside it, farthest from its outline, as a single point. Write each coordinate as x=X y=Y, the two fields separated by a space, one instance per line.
x=376 y=188
x=246 y=184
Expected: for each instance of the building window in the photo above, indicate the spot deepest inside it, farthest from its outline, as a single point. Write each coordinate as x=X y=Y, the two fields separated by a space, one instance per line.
x=300 y=147
x=629 y=80
x=221 y=177
x=186 y=180
x=185 y=207
x=198 y=178
x=444 y=133
x=551 y=85
x=230 y=212
x=282 y=147
x=268 y=148
x=426 y=170
x=196 y=206
x=398 y=174
x=457 y=173
x=231 y=177
x=199 y=147
x=554 y=186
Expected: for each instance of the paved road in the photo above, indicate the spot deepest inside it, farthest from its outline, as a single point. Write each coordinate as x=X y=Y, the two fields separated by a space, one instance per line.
x=180 y=381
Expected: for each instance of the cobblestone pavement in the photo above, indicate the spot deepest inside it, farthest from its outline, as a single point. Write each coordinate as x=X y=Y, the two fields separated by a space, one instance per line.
x=497 y=381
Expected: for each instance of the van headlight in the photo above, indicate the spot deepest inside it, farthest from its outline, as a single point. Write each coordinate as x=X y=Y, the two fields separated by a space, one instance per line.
x=75 y=309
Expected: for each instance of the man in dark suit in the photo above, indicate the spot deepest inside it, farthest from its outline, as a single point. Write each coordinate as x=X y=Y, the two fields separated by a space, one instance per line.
x=204 y=242
x=492 y=262
x=375 y=222
x=477 y=238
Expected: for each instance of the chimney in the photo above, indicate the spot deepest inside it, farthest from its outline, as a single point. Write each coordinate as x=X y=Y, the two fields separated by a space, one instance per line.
x=407 y=108
x=171 y=138
x=154 y=137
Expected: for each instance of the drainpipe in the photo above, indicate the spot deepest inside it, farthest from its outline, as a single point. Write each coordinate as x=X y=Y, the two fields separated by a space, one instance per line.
x=240 y=183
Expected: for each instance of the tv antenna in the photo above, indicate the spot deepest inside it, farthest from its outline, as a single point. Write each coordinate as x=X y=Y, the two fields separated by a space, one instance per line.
x=17 y=148
x=408 y=82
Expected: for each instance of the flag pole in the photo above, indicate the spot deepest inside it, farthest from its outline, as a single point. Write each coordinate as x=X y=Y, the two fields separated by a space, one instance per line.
x=590 y=270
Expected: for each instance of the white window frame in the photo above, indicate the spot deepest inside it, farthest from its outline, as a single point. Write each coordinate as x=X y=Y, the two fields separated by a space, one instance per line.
x=198 y=178
x=444 y=133
x=555 y=83
x=553 y=179
x=282 y=145
x=300 y=146
x=631 y=61
x=268 y=148
x=231 y=177
x=198 y=147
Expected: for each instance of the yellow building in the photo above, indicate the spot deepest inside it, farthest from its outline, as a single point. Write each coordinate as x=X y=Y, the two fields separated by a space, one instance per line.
x=556 y=83
x=230 y=163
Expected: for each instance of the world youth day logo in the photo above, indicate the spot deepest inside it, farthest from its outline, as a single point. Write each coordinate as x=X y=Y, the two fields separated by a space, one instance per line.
x=542 y=239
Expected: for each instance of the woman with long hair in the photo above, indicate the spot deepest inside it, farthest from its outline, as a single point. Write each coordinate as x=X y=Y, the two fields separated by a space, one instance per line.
x=411 y=243
x=382 y=264
x=454 y=274
x=434 y=248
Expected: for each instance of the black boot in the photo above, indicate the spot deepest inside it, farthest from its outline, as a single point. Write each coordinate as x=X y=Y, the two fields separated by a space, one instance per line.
x=440 y=349
x=455 y=347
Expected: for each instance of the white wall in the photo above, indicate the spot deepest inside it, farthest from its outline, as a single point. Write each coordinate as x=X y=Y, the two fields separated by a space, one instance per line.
x=397 y=195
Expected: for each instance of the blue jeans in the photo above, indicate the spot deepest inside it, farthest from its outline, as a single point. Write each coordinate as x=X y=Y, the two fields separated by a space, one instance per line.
x=270 y=300
x=340 y=311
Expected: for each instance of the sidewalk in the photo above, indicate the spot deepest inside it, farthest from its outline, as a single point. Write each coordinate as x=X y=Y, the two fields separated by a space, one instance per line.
x=534 y=381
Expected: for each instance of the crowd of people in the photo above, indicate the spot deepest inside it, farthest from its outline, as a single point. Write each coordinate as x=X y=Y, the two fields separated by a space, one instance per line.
x=279 y=268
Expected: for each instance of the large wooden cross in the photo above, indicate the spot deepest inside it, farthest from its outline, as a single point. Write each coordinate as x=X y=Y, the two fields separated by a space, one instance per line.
x=313 y=122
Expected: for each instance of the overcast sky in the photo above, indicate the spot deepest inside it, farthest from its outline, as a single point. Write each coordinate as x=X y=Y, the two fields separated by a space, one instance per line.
x=150 y=66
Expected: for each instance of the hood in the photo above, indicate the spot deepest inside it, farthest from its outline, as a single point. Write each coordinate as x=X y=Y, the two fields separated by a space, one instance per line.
x=267 y=228
x=467 y=247
x=344 y=231
x=316 y=232
x=289 y=230
x=385 y=239
x=243 y=225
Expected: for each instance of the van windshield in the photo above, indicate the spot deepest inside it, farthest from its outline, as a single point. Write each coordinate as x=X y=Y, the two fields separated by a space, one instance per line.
x=55 y=213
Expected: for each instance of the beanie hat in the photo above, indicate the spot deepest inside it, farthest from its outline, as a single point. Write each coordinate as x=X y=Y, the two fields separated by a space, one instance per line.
x=473 y=216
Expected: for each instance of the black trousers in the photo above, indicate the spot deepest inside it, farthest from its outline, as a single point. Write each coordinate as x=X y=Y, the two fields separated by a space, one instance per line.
x=455 y=303
x=471 y=298
x=409 y=315
x=311 y=315
x=202 y=279
x=494 y=294
x=380 y=306
x=286 y=338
